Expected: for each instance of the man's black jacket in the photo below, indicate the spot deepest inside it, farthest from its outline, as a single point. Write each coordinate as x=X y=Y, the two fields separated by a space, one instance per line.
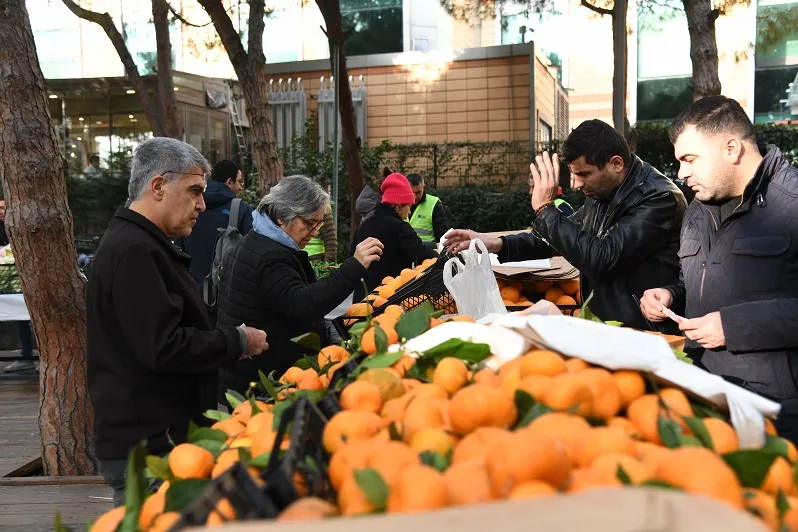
x=153 y=355
x=622 y=247
x=746 y=267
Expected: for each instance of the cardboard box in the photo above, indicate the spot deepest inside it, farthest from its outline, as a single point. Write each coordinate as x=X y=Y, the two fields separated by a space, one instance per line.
x=602 y=510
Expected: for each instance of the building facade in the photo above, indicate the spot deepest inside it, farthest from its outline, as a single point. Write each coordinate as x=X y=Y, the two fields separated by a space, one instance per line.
x=758 y=46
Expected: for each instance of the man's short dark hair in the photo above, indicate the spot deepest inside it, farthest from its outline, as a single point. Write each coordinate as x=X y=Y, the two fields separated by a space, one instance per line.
x=415 y=179
x=224 y=170
x=598 y=142
x=94 y=159
x=713 y=115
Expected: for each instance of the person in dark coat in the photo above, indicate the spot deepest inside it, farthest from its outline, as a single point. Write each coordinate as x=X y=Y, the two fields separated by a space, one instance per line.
x=623 y=240
x=225 y=184
x=739 y=256
x=267 y=281
x=153 y=354
x=401 y=245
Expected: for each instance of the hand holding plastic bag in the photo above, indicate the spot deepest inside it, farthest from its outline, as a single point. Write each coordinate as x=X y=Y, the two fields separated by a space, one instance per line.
x=474 y=288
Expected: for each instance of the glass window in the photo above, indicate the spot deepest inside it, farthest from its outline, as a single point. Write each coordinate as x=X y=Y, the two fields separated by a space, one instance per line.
x=281 y=40
x=772 y=88
x=57 y=34
x=197 y=129
x=664 y=98
x=777 y=33
x=549 y=30
x=658 y=29
x=218 y=137
x=376 y=25
x=664 y=81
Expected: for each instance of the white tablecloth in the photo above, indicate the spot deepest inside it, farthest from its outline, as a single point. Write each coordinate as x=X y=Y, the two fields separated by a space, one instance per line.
x=12 y=308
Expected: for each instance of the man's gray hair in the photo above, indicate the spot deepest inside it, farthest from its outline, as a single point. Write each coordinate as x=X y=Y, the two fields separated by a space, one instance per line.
x=294 y=196
x=162 y=156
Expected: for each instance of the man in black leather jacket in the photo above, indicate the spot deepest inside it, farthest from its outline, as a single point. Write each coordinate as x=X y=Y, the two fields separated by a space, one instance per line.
x=625 y=238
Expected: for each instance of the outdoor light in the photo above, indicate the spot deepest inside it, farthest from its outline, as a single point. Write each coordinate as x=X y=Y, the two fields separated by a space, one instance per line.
x=130 y=91
x=53 y=96
x=80 y=138
x=177 y=89
x=99 y=122
x=130 y=116
x=81 y=119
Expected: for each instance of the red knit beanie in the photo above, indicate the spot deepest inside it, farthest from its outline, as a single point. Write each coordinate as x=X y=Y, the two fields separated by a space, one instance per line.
x=396 y=190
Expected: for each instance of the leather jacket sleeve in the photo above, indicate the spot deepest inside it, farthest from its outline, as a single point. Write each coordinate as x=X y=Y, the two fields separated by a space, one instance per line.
x=641 y=230
x=527 y=246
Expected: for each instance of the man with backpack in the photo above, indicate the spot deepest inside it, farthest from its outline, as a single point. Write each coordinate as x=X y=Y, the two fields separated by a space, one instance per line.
x=223 y=209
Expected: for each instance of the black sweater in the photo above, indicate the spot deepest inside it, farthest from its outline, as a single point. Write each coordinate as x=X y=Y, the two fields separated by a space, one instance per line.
x=402 y=246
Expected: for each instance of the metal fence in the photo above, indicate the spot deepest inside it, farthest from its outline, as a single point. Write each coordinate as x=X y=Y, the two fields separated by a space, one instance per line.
x=327 y=109
x=503 y=165
x=288 y=105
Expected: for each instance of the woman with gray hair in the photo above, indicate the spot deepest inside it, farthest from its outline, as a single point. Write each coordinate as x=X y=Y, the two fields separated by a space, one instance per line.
x=267 y=280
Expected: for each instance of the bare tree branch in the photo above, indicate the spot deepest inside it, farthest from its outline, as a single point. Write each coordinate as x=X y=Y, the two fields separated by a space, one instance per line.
x=227 y=32
x=105 y=21
x=599 y=10
x=179 y=17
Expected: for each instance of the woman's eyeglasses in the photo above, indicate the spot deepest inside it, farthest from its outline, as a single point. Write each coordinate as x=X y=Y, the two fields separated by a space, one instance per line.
x=312 y=225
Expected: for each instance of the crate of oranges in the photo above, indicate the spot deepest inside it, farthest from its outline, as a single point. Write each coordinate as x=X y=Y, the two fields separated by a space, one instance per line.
x=408 y=290
x=439 y=429
x=518 y=295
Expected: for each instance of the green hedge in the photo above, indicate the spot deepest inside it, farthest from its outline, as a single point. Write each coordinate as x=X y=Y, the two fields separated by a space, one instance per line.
x=501 y=205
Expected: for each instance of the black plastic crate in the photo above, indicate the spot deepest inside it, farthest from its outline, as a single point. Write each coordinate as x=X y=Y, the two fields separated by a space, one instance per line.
x=305 y=460
x=426 y=287
x=248 y=499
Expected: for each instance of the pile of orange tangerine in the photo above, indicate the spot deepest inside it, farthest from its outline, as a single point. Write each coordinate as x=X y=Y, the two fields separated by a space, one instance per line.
x=596 y=429
x=516 y=294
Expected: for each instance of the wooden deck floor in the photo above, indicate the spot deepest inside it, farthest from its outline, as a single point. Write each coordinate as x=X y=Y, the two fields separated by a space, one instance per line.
x=33 y=508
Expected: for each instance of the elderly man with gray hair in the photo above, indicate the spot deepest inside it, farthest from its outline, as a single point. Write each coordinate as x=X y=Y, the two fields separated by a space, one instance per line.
x=153 y=354
x=267 y=280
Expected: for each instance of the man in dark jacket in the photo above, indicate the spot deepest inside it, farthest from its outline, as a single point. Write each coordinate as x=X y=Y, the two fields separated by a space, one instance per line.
x=225 y=184
x=153 y=354
x=623 y=240
x=739 y=255
x=427 y=215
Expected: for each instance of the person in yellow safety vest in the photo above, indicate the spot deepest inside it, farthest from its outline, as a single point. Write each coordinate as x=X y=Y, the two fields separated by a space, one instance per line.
x=324 y=246
x=427 y=216
x=563 y=206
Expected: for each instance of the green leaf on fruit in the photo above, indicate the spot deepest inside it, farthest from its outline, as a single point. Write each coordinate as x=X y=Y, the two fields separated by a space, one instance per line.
x=751 y=466
x=373 y=487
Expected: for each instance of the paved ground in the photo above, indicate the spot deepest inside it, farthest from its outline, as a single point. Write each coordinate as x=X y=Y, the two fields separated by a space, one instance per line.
x=33 y=508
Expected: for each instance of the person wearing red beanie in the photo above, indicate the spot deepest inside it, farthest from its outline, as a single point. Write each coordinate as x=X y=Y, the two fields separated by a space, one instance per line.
x=402 y=247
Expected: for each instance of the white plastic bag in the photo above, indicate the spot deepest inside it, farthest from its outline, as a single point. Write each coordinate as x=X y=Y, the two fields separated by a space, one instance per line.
x=474 y=288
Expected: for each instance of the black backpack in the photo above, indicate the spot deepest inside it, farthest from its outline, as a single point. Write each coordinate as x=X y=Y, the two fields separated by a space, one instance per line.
x=226 y=240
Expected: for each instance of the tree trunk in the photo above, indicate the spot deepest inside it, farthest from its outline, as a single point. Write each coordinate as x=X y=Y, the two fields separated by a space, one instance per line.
x=619 y=58
x=331 y=11
x=249 y=67
x=166 y=83
x=619 y=65
x=39 y=225
x=703 y=47
x=264 y=146
x=105 y=21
